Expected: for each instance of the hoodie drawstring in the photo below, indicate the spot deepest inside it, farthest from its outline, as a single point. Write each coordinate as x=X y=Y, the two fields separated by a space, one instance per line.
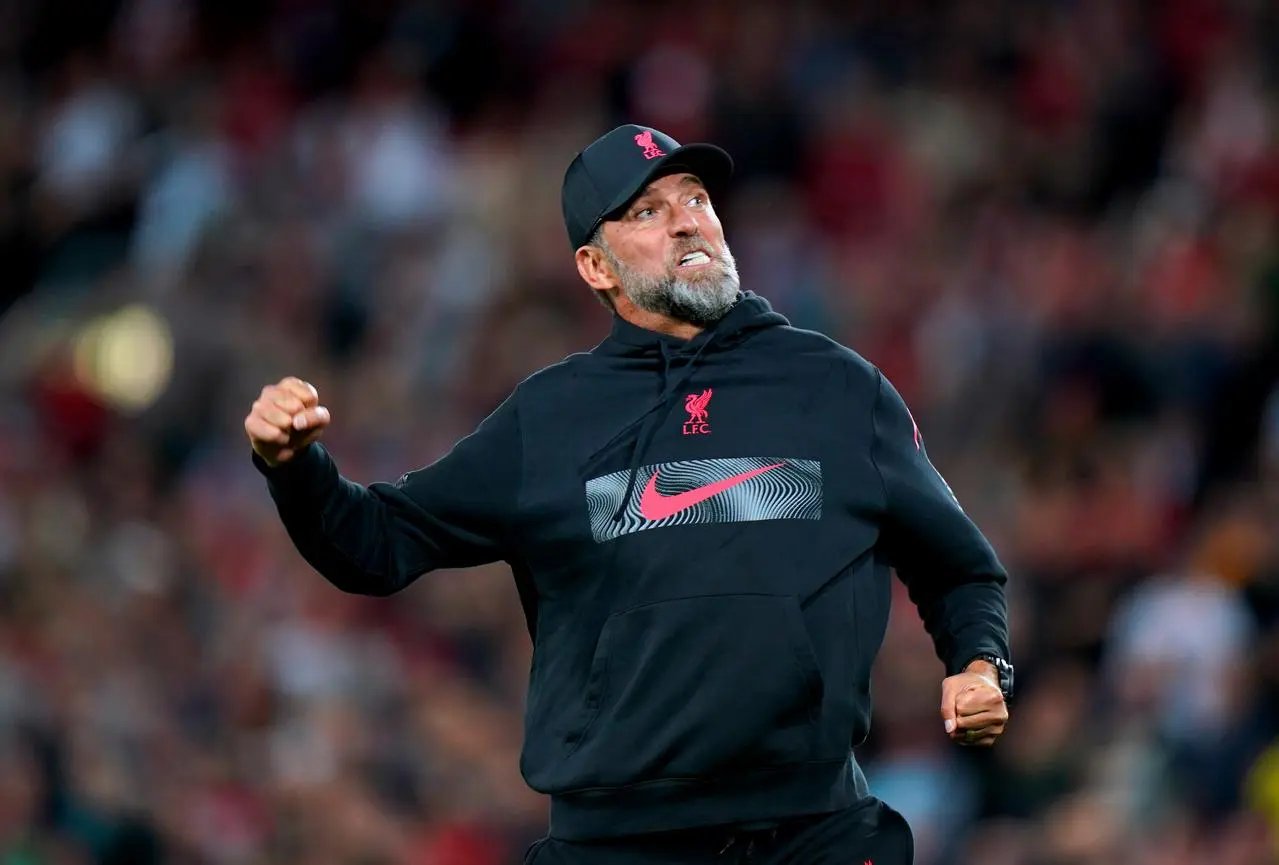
x=748 y=849
x=655 y=417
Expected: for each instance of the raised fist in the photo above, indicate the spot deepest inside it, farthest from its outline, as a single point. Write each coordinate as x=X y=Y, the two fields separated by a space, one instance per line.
x=285 y=419
x=973 y=707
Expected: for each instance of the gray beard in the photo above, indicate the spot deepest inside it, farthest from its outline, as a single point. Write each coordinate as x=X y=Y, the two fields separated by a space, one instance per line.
x=700 y=301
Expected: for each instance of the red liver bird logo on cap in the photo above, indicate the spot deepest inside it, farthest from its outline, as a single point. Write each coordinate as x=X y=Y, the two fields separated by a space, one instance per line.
x=645 y=140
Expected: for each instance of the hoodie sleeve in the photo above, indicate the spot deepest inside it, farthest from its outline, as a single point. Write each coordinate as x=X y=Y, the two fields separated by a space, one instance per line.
x=950 y=570
x=378 y=539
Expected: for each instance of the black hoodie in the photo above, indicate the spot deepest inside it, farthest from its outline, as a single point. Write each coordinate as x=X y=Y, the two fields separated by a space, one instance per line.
x=701 y=534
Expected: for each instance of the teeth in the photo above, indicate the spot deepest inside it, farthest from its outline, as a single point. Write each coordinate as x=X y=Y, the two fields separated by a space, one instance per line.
x=695 y=258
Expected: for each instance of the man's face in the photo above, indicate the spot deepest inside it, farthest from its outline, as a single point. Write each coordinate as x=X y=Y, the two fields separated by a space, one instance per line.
x=668 y=255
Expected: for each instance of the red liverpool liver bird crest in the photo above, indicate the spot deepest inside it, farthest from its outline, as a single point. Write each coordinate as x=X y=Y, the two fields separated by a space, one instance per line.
x=698 y=422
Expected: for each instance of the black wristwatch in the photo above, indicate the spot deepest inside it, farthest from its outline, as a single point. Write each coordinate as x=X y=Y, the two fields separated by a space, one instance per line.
x=1004 y=668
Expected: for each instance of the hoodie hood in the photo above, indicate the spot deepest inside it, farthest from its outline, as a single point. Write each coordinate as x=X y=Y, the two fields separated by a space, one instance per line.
x=678 y=360
x=749 y=313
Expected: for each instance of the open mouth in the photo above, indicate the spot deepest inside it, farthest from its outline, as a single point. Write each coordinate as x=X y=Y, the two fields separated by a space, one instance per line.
x=696 y=258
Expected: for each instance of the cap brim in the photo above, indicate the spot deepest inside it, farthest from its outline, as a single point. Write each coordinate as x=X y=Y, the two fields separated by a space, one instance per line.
x=712 y=165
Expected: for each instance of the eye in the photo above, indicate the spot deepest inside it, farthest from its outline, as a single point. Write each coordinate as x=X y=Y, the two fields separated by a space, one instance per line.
x=644 y=213
x=698 y=200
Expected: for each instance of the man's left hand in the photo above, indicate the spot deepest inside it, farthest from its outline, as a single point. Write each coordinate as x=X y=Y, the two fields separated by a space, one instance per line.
x=972 y=706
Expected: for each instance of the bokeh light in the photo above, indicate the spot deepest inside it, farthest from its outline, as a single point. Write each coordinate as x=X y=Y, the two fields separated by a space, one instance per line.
x=125 y=357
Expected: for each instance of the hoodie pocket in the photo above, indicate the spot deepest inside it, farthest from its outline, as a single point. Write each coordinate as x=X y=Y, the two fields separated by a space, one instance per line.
x=691 y=686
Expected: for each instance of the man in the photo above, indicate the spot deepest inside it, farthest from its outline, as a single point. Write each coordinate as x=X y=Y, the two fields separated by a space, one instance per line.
x=700 y=514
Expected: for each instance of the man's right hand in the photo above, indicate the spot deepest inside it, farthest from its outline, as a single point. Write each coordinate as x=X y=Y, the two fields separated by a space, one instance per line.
x=285 y=419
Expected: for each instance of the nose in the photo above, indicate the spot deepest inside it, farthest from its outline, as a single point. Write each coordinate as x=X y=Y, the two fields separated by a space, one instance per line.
x=682 y=223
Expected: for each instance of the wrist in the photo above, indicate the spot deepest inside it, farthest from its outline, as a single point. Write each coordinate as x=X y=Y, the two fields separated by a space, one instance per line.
x=985 y=669
x=994 y=669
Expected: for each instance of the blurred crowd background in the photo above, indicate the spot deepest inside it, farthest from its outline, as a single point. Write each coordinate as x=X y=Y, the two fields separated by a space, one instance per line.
x=1053 y=223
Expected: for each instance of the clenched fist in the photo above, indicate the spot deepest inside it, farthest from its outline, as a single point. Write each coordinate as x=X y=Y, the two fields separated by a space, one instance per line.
x=973 y=707
x=285 y=419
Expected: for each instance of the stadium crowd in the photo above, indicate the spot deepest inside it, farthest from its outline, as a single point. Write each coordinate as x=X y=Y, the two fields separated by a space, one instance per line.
x=1053 y=223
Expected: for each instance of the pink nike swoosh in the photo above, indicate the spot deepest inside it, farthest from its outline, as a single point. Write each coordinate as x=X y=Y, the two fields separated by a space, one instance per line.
x=655 y=506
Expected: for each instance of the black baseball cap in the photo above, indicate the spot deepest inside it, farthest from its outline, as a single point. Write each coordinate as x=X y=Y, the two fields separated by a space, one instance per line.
x=617 y=166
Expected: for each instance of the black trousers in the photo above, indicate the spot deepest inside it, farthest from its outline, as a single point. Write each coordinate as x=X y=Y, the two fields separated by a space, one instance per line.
x=870 y=833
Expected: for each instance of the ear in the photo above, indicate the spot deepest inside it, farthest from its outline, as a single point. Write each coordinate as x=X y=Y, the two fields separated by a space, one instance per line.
x=594 y=269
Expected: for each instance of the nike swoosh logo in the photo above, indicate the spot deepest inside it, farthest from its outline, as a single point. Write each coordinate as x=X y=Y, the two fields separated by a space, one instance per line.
x=655 y=506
